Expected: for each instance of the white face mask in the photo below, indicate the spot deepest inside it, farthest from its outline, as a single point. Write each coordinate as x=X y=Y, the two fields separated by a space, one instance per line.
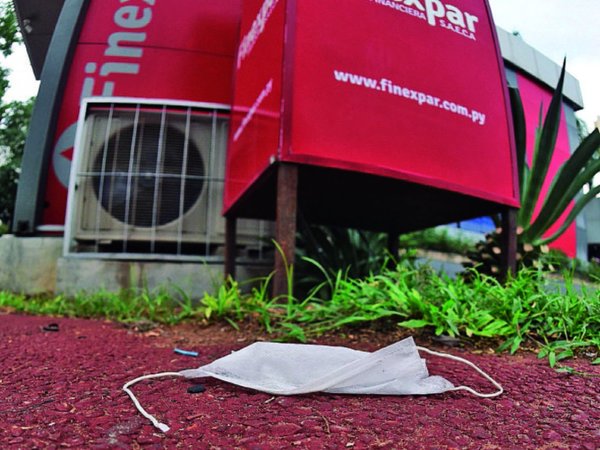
x=291 y=369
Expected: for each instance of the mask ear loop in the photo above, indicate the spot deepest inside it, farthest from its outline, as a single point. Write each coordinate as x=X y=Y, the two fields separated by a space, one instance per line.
x=164 y=427
x=161 y=426
x=470 y=364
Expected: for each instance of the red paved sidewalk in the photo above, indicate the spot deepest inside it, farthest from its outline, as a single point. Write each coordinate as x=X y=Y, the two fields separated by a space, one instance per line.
x=63 y=389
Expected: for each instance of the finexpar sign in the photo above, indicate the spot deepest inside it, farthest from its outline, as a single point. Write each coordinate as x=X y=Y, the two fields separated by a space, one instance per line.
x=123 y=50
x=255 y=122
x=422 y=98
x=256 y=29
x=412 y=90
x=436 y=13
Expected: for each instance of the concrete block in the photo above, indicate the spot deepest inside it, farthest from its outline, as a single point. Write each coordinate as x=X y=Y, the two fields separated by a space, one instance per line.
x=524 y=56
x=592 y=221
x=517 y=52
x=76 y=275
x=504 y=40
x=28 y=264
x=35 y=266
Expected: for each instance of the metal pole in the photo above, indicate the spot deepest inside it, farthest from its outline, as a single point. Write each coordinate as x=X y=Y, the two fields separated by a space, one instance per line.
x=285 y=226
x=509 y=234
x=230 y=246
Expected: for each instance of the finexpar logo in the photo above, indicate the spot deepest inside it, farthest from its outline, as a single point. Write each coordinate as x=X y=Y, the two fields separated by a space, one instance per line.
x=436 y=13
x=258 y=26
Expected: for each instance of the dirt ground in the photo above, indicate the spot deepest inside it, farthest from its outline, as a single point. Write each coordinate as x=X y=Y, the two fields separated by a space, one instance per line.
x=60 y=387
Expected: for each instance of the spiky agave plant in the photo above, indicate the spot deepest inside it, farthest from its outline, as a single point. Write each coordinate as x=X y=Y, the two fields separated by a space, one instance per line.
x=565 y=189
x=488 y=259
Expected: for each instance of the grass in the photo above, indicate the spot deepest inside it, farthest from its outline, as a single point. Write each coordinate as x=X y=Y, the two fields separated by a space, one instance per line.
x=436 y=238
x=161 y=306
x=584 y=270
x=559 y=319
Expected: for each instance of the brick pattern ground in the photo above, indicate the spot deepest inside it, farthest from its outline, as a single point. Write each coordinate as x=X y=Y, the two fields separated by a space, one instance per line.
x=63 y=390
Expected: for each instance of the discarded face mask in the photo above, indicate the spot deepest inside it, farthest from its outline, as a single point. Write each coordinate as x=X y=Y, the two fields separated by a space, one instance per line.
x=292 y=369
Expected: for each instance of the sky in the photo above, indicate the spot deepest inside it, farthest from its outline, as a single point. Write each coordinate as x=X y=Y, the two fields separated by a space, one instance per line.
x=557 y=28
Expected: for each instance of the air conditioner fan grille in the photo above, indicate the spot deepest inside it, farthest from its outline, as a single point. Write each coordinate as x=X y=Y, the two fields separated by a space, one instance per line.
x=148 y=175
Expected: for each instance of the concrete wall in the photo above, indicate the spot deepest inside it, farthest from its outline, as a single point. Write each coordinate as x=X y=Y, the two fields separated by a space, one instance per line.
x=522 y=55
x=28 y=265
x=592 y=217
x=75 y=275
x=35 y=265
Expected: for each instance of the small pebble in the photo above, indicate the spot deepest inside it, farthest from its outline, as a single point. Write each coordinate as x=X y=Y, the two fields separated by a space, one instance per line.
x=196 y=389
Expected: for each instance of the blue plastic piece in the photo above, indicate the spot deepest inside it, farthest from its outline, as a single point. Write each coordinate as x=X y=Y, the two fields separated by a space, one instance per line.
x=185 y=352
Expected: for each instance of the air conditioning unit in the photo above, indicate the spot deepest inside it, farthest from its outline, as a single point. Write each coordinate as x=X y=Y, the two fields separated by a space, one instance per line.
x=148 y=178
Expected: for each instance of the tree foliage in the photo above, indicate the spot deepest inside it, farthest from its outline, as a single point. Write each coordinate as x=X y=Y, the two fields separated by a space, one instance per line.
x=14 y=118
x=9 y=35
x=9 y=32
x=14 y=123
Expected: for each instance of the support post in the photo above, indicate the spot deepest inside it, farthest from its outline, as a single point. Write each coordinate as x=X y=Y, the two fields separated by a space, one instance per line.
x=509 y=233
x=230 y=246
x=285 y=225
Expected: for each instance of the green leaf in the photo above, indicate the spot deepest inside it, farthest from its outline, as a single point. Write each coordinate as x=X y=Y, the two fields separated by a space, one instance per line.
x=552 y=358
x=351 y=319
x=561 y=196
x=415 y=323
x=579 y=205
x=520 y=130
x=516 y=344
x=497 y=327
x=564 y=355
x=234 y=325
x=543 y=153
x=294 y=331
x=596 y=361
x=504 y=346
x=577 y=161
x=448 y=306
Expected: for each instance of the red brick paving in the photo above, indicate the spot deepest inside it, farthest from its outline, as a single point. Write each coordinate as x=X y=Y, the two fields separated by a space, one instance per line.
x=63 y=389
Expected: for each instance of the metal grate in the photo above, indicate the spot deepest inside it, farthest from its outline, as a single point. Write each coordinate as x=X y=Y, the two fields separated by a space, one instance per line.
x=148 y=181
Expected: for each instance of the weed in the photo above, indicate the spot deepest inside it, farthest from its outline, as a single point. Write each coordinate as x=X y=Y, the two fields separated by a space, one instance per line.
x=559 y=317
x=437 y=238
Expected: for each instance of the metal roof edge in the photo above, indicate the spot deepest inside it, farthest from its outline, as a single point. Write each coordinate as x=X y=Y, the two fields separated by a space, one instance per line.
x=516 y=52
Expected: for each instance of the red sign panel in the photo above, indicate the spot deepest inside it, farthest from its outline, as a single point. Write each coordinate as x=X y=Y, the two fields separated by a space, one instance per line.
x=143 y=49
x=256 y=119
x=405 y=89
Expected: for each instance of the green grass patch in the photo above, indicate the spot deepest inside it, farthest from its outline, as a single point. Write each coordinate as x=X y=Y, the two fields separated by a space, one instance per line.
x=438 y=239
x=532 y=310
x=161 y=306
